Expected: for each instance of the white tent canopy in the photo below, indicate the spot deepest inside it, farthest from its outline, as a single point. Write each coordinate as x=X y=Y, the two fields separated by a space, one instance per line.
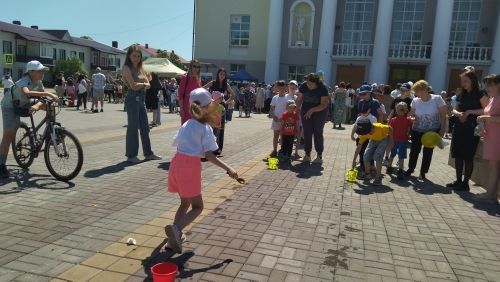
x=162 y=66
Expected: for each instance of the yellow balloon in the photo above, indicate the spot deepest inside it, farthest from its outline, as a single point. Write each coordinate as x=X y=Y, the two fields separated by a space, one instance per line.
x=430 y=139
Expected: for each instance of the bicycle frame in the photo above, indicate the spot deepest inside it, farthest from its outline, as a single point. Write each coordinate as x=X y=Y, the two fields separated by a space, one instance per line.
x=49 y=120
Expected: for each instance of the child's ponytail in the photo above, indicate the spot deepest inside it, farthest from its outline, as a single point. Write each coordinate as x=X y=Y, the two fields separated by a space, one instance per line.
x=198 y=113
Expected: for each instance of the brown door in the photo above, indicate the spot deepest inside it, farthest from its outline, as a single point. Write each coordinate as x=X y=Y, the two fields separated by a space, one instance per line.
x=405 y=73
x=454 y=80
x=350 y=74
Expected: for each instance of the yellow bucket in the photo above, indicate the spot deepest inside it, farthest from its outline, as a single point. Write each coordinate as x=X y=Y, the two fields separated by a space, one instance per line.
x=273 y=163
x=352 y=175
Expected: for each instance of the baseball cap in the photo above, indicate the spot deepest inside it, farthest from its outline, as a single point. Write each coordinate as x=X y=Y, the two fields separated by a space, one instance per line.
x=405 y=86
x=216 y=95
x=294 y=82
x=364 y=126
x=35 y=66
x=291 y=103
x=200 y=96
x=98 y=69
x=364 y=89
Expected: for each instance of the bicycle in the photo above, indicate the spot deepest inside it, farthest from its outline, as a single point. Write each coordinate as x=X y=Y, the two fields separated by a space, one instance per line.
x=63 y=153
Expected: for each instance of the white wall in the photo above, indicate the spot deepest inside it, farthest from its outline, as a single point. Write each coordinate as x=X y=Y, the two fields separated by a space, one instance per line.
x=8 y=37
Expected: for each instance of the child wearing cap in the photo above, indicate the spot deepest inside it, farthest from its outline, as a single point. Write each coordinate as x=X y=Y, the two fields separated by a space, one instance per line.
x=289 y=124
x=378 y=135
x=194 y=140
x=30 y=85
x=401 y=125
x=278 y=107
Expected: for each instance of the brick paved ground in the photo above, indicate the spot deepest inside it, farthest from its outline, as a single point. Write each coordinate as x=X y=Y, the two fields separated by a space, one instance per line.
x=302 y=223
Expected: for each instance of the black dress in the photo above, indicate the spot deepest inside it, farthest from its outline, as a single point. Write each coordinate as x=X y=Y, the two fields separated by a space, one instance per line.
x=464 y=143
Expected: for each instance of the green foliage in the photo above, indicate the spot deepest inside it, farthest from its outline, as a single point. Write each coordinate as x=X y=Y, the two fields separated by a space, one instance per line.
x=69 y=67
x=172 y=57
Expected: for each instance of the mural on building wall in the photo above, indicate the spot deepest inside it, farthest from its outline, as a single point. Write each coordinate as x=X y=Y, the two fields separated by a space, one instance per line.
x=302 y=16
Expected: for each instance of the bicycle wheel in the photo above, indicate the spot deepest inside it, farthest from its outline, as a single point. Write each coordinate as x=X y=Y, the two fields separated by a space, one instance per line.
x=22 y=147
x=65 y=161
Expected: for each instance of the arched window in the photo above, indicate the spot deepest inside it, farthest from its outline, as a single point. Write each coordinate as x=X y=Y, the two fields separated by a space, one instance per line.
x=301 y=24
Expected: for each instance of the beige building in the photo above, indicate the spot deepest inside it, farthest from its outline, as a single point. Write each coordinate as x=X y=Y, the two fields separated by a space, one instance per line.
x=384 y=41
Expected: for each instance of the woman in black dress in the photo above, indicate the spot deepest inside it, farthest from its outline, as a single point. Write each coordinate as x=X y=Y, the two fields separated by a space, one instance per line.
x=464 y=142
x=152 y=96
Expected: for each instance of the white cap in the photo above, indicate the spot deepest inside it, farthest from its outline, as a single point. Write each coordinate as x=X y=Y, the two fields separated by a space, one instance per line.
x=200 y=95
x=293 y=82
x=469 y=68
x=35 y=66
x=98 y=69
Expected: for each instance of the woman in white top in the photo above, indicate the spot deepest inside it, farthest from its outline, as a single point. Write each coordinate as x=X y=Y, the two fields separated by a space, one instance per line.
x=429 y=112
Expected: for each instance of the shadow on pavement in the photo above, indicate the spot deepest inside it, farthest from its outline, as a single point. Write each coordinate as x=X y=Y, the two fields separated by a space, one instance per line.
x=160 y=254
x=164 y=165
x=366 y=188
x=307 y=170
x=427 y=187
x=490 y=208
x=107 y=170
x=26 y=180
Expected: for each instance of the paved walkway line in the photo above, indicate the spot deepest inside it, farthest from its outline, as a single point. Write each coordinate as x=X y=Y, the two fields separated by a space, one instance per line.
x=119 y=261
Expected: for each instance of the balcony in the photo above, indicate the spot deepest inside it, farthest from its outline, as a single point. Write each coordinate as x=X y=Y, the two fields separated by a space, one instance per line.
x=44 y=61
x=407 y=53
x=469 y=55
x=104 y=68
x=352 y=51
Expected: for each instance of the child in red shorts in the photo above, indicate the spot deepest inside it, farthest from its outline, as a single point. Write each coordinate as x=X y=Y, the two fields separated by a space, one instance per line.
x=194 y=140
x=400 y=125
x=289 y=121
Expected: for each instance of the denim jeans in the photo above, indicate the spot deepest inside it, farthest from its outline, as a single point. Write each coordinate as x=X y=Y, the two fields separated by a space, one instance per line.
x=314 y=127
x=137 y=121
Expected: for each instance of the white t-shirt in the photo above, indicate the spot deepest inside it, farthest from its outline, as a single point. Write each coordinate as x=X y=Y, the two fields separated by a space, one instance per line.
x=279 y=104
x=195 y=138
x=7 y=83
x=371 y=117
x=395 y=93
x=427 y=113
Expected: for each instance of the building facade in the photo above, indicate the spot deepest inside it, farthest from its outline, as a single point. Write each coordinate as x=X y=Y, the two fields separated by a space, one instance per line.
x=21 y=44
x=383 y=41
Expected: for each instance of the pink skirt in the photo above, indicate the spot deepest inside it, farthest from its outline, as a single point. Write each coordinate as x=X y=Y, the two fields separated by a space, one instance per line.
x=184 y=176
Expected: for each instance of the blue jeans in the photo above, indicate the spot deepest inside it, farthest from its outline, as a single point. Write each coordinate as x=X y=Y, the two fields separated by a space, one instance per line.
x=137 y=120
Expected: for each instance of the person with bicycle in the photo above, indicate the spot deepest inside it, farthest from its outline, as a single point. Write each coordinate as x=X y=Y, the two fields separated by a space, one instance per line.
x=30 y=85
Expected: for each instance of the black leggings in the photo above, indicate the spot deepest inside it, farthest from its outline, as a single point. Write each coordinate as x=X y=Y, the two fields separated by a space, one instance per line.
x=314 y=126
x=416 y=147
x=465 y=168
x=82 y=96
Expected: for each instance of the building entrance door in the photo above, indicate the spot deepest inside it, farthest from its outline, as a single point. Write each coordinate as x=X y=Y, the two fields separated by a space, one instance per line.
x=405 y=73
x=350 y=74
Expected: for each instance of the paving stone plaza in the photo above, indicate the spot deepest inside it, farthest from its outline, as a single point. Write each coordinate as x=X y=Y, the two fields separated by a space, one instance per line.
x=298 y=223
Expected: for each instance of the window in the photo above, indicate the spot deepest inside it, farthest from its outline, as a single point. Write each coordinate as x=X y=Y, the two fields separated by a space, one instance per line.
x=62 y=54
x=117 y=62
x=358 y=21
x=72 y=54
x=21 y=50
x=465 y=22
x=54 y=54
x=296 y=73
x=240 y=30
x=234 y=68
x=301 y=24
x=81 y=55
x=407 y=22
x=111 y=61
x=45 y=50
x=95 y=58
x=103 y=59
x=7 y=47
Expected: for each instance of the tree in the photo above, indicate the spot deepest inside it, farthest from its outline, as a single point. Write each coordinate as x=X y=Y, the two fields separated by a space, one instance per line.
x=176 y=61
x=69 y=67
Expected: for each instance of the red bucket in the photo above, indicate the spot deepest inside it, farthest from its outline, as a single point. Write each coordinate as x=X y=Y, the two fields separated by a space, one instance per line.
x=164 y=272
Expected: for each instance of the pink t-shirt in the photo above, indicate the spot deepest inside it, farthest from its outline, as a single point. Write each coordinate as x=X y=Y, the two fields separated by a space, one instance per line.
x=184 y=92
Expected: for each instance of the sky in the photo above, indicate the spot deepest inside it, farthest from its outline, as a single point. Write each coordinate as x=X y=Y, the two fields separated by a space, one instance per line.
x=163 y=24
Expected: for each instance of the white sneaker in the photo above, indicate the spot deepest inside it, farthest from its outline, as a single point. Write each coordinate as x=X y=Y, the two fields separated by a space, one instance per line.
x=153 y=157
x=174 y=238
x=183 y=239
x=305 y=159
x=133 y=160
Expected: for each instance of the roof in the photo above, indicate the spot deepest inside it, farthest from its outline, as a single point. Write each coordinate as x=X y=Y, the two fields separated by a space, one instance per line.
x=28 y=33
x=55 y=36
x=154 y=52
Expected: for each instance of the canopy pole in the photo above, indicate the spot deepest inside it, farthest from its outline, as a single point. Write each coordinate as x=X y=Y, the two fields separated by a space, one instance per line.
x=194 y=25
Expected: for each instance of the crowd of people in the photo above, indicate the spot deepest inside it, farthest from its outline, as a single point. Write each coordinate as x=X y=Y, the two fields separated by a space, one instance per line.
x=386 y=122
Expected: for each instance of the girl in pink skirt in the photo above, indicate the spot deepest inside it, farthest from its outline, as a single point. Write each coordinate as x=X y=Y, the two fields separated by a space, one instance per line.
x=194 y=140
